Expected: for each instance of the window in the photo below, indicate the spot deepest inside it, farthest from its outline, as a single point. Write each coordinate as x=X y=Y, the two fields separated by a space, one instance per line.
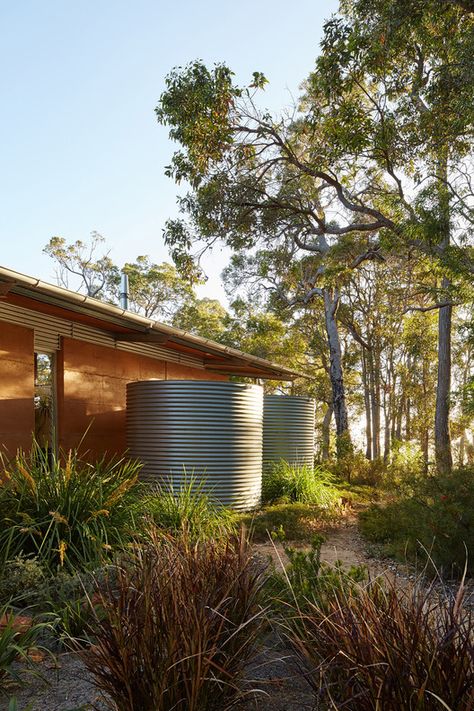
x=44 y=400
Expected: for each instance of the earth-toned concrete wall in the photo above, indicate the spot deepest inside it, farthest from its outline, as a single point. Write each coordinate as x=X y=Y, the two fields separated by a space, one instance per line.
x=17 y=416
x=92 y=393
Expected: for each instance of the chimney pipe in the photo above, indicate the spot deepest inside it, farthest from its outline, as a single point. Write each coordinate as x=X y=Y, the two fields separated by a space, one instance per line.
x=124 y=293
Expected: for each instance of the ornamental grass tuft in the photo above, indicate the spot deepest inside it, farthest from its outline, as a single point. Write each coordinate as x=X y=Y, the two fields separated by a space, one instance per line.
x=68 y=513
x=177 y=626
x=382 y=647
x=188 y=509
x=299 y=483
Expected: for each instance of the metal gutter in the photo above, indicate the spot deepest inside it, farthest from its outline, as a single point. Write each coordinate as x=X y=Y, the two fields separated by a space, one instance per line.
x=35 y=288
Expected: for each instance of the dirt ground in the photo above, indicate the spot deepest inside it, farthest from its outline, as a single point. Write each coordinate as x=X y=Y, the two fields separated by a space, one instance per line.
x=65 y=685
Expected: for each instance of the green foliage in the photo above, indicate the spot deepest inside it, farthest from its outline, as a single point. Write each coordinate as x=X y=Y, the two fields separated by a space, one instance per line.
x=294 y=522
x=204 y=317
x=99 y=276
x=20 y=579
x=307 y=580
x=156 y=290
x=380 y=647
x=299 y=483
x=178 y=626
x=18 y=636
x=66 y=512
x=187 y=509
x=355 y=468
x=196 y=105
x=435 y=514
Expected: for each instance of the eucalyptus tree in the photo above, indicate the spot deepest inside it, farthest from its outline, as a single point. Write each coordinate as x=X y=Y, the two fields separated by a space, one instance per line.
x=155 y=290
x=375 y=158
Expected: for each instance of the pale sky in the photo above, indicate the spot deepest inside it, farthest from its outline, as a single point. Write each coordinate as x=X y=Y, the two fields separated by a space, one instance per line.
x=81 y=149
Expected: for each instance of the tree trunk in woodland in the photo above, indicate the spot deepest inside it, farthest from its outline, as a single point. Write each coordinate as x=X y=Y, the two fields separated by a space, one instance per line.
x=386 y=444
x=368 y=415
x=343 y=442
x=375 y=403
x=425 y=433
x=444 y=460
x=326 y=433
x=462 y=448
x=408 y=420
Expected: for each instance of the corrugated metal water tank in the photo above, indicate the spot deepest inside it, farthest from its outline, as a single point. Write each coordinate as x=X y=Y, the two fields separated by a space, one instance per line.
x=210 y=430
x=288 y=430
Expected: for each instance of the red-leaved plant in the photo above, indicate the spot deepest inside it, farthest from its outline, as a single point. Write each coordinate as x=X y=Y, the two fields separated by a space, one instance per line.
x=176 y=627
x=382 y=648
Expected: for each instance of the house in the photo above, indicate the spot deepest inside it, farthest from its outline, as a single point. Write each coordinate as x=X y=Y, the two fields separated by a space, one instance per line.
x=66 y=358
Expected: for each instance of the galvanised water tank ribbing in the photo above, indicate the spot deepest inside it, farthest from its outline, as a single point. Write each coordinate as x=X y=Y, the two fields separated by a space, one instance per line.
x=288 y=430
x=208 y=430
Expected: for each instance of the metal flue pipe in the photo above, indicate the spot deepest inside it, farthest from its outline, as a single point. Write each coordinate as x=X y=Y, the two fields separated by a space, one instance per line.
x=124 y=291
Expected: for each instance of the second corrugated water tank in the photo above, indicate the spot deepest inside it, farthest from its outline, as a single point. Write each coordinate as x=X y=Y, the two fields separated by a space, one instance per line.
x=288 y=430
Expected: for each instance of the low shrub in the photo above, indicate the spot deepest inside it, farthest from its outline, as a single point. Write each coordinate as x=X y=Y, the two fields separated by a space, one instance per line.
x=436 y=514
x=66 y=512
x=20 y=580
x=290 y=483
x=188 y=509
x=383 y=648
x=293 y=522
x=307 y=579
x=355 y=468
x=178 y=626
x=18 y=637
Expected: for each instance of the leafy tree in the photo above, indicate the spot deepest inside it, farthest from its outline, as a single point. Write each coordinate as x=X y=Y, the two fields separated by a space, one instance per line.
x=155 y=290
x=204 y=317
x=374 y=159
x=98 y=276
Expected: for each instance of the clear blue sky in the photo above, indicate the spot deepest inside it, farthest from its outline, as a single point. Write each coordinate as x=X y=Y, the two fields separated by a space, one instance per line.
x=80 y=147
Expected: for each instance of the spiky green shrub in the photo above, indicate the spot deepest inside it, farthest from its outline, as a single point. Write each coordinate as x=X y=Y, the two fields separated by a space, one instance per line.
x=67 y=512
x=188 y=509
x=386 y=648
x=18 y=636
x=306 y=579
x=299 y=483
x=435 y=514
x=177 y=627
x=292 y=522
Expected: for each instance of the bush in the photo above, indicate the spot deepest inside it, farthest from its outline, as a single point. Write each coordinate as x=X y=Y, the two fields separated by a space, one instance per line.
x=187 y=509
x=66 y=512
x=20 y=580
x=307 y=580
x=437 y=514
x=18 y=637
x=355 y=468
x=178 y=626
x=294 y=522
x=383 y=648
x=290 y=483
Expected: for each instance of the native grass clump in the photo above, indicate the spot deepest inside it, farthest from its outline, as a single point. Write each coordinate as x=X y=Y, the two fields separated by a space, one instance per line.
x=187 y=509
x=178 y=625
x=19 y=638
x=288 y=483
x=68 y=513
x=380 y=646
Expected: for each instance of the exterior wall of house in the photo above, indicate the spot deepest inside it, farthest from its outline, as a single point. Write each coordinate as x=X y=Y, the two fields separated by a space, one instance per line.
x=17 y=416
x=91 y=385
x=92 y=394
